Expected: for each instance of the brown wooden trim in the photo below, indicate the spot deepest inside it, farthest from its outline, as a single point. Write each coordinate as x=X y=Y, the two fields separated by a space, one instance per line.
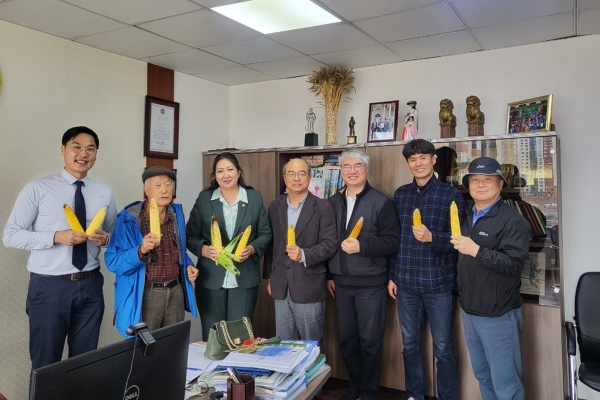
x=161 y=84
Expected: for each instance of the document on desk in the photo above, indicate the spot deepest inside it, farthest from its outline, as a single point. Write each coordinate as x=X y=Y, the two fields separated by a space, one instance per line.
x=285 y=362
x=197 y=362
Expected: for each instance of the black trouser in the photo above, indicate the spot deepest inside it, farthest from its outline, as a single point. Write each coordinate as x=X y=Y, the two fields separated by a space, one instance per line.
x=59 y=309
x=362 y=326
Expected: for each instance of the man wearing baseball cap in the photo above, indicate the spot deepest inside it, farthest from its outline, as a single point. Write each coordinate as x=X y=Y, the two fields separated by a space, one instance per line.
x=492 y=249
x=154 y=274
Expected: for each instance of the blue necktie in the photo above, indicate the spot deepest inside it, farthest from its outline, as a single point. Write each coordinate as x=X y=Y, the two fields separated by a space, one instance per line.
x=80 y=250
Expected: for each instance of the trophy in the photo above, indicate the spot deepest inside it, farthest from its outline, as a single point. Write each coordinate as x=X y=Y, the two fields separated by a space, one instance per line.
x=352 y=135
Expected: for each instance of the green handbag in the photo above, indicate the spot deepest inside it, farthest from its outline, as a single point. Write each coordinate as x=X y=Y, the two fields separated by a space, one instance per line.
x=225 y=336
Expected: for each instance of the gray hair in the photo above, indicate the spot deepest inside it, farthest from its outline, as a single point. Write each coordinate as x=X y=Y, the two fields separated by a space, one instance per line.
x=292 y=159
x=355 y=153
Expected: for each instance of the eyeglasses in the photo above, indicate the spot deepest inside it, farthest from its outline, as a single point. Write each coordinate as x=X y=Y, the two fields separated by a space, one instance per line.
x=299 y=174
x=77 y=148
x=356 y=167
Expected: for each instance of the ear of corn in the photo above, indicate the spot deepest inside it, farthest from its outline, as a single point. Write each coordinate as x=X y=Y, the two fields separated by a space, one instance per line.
x=154 y=218
x=243 y=243
x=215 y=234
x=97 y=221
x=72 y=219
x=454 y=221
x=417 y=218
x=357 y=228
x=291 y=236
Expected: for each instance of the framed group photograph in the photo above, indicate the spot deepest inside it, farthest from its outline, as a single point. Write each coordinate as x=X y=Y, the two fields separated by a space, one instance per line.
x=383 y=118
x=161 y=132
x=531 y=115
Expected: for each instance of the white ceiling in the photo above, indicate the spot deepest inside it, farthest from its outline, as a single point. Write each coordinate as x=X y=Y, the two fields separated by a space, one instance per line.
x=186 y=36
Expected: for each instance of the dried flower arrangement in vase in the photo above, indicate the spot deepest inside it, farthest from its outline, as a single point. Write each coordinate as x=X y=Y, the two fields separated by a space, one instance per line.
x=332 y=83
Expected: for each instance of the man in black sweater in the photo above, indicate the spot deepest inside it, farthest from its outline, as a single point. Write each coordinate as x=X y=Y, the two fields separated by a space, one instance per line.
x=359 y=273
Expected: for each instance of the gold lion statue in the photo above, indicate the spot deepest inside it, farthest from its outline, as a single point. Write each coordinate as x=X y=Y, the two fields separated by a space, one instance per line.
x=447 y=116
x=474 y=114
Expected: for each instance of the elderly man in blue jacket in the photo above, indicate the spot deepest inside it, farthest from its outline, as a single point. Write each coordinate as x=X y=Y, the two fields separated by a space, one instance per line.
x=154 y=275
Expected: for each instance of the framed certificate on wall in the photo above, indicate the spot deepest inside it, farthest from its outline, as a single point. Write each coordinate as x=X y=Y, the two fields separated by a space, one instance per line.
x=161 y=132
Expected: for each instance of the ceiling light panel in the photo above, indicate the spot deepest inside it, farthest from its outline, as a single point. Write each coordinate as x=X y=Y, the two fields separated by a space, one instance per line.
x=269 y=16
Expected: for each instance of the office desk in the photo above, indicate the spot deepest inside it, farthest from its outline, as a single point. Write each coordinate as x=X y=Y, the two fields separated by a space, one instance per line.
x=307 y=394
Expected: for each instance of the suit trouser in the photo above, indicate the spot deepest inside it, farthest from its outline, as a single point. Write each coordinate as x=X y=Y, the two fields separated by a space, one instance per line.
x=163 y=306
x=361 y=314
x=224 y=305
x=297 y=321
x=59 y=309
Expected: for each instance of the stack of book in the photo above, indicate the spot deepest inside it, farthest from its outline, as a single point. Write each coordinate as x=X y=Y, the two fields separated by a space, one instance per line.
x=280 y=371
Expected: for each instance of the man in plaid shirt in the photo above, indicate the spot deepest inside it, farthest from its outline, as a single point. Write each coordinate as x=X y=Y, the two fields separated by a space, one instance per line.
x=424 y=273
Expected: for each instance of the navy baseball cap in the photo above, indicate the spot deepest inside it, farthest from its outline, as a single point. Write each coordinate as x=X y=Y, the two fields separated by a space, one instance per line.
x=483 y=166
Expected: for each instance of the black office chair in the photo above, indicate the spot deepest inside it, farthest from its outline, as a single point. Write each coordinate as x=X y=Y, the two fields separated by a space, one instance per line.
x=587 y=324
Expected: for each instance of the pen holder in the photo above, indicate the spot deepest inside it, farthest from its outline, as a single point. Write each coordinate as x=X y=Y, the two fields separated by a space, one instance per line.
x=241 y=391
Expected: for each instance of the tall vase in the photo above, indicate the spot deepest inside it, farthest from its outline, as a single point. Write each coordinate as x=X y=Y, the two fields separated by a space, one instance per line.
x=331 y=129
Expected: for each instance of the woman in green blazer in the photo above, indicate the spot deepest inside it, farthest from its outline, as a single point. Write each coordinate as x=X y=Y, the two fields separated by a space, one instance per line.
x=219 y=294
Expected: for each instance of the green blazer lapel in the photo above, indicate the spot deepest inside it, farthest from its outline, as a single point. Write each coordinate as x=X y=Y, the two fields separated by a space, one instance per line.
x=217 y=207
x=242 y=208
x=308 y=209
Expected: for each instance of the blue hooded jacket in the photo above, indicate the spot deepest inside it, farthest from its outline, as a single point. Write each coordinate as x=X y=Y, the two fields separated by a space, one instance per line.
x=121 y=257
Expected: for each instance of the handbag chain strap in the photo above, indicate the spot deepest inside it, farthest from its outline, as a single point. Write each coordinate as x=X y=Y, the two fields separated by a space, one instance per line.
x=228 y=341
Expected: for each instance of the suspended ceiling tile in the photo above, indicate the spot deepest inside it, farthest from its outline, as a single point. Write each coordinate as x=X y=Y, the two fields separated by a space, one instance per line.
x=425 y=21
x=353 y=10
x=435 y=46
x=288 y=68
x=200 y=28
x=358 y=58
x=135 y=11
x=323 y=39
x=191 y=61
x=235 y=76
x=132 y=42
x=583 y=4
x=479 y=13
x=525 y=32
x=589 y=22
x=55 y=17
x=253 y=51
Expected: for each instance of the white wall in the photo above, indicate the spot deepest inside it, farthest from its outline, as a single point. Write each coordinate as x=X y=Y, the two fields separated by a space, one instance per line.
x=272 y=114
x=203 y=125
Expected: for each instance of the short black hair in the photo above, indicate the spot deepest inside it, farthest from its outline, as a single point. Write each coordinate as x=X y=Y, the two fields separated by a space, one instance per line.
x=76 y=130
x=418 y=146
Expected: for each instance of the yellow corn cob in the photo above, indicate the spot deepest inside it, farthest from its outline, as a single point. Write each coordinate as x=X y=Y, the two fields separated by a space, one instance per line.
x=454 y=221
x=215 y=235
x=97 y=221
x=291 y=236
x=154 y=219
x=72 y=219
x=357 y=228
x=417 y=218
x=242 y=243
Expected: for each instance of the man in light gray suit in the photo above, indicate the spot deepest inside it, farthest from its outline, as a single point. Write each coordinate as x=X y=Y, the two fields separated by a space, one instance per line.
x=297 y=273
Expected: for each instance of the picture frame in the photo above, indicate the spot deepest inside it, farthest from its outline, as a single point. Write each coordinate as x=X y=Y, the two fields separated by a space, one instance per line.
x=174 y=183
x=382 y=122
x=533 y=276
x=528 y=116
x=161 y=131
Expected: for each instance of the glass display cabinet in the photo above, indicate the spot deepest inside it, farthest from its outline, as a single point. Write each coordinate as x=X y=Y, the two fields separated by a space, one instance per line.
x=530 y=166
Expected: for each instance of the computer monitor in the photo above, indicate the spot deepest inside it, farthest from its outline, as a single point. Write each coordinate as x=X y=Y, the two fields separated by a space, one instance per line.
x=102 y=374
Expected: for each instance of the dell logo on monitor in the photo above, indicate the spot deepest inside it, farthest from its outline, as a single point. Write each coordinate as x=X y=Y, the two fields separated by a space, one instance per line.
x=132 y=393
